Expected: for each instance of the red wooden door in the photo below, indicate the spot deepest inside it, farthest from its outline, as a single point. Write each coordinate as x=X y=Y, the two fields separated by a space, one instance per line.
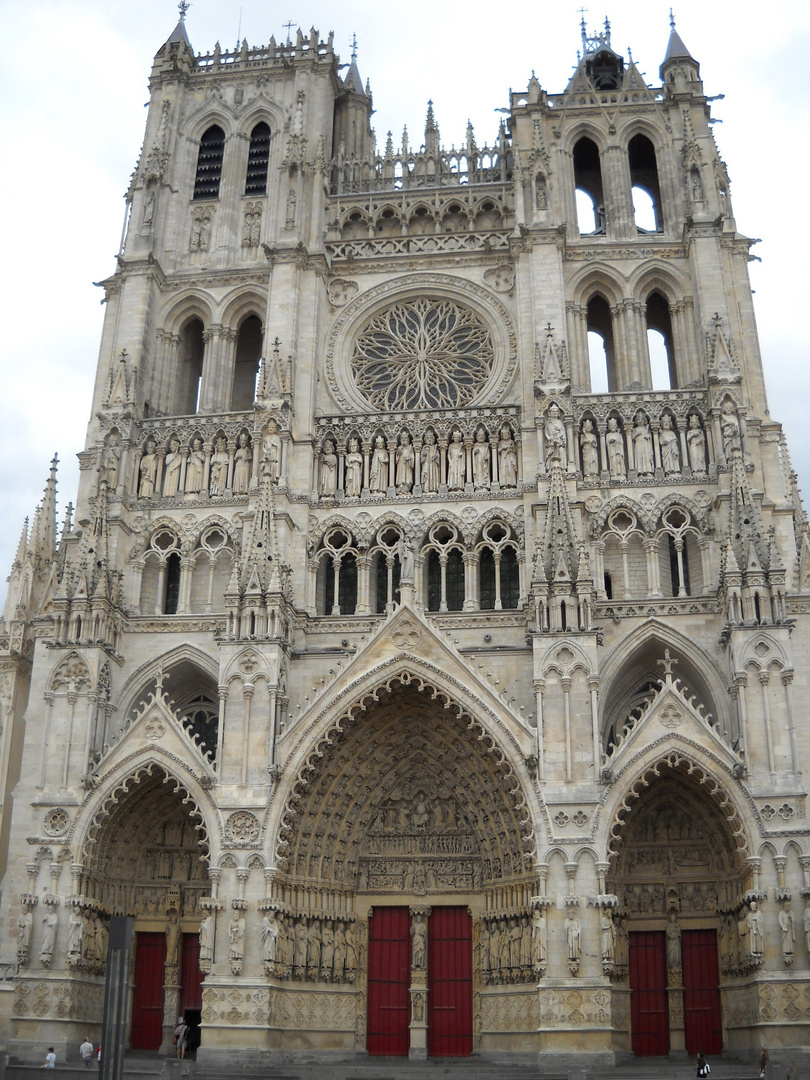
x=191 y=977
x=649 y=1013
x=701 y=992
x=389 y=977
x=147 y=1002
x=450 y=997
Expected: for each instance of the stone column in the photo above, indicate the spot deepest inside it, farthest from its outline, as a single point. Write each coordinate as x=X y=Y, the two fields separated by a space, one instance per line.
x=418 y=988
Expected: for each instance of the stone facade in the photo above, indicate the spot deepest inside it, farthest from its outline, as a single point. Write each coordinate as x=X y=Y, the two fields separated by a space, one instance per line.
x=376 y=597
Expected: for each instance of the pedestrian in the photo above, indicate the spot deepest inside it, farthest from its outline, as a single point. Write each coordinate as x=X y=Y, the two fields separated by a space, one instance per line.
x=86 y=1052
x=763 y=1063
x=702 y=1065
x=50 y=1059
x=181 y=1037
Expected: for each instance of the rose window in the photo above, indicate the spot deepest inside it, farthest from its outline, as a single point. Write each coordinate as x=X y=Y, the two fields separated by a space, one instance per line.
x=422 y=354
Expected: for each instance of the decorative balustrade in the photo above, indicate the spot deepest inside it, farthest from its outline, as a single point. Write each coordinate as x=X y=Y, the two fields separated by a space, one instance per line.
x=426 y=454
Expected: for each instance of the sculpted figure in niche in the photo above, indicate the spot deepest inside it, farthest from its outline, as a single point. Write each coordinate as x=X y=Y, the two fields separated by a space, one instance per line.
x=354 y=470
x=327 y=483
x=507 y=459
x=573 y=934
x=219 y=467
x=787 y=927
x=327 y=950
x=24 y=924
x=404 y=465
x=75 y=935
x=525 y=943
x=556 y=452
x=236 y=936
x=539 y=937
x=351 y=949
x=670 y=454
x=755 y=940
x=614 y=440
x=301 y=943
x=242 y=465
x=148 y=470
x=313 y=947
x=419 y=946
x=673 y=942
x=642 y=446
x=430 y=464
x=49 y=924
x=406 y=561
x=480 y=459
x=455 y=463
x=608 y=936
x=378 y=473
x=110 y=460
x=340 y=952
x=206 y=936
x=589 y=449
x=194 y=466
x=696 y=444
x=730 y=428
x=271 y=452
x=171 y=469
x=515 y=937
x=173 y=941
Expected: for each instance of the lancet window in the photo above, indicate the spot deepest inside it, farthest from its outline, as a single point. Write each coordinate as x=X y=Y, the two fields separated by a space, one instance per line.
x=189 y=369
x=498 y=569
x=589 y=190
x=209 y=164
x=246 y=363
x=444 y=555
x=645 y=187
x=337 y=574
x=258 y=160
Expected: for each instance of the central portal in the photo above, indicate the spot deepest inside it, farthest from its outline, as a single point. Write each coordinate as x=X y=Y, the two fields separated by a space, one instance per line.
x=397 y=1012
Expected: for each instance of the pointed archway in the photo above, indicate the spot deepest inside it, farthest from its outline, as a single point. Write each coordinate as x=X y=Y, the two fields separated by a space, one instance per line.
x=144 y=856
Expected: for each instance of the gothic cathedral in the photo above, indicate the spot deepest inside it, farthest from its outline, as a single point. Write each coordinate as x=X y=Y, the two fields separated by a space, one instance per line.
x=419 y=669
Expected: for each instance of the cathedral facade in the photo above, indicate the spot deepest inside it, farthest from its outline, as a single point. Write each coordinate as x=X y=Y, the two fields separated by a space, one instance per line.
x=425 y=667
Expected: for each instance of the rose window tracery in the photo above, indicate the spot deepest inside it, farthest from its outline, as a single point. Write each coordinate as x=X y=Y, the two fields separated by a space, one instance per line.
x=422 y=354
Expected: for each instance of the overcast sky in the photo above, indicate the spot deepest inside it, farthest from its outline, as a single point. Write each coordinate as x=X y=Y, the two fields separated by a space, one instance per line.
x=74 y=83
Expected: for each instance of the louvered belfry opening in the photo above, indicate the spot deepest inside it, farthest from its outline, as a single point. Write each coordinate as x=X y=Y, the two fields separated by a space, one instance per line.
x=258 y=158
x=209 y=164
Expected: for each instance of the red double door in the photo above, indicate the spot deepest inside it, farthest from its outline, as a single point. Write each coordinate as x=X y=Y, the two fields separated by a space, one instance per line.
x=147 y=1002
x=449 y=1011
x=649 y=1005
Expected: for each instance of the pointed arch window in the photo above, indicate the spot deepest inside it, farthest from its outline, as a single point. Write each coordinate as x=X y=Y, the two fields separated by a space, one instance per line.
x=258 y=160
x=589 y=192
x=172 y=593
x=659 y=343
x=246 y=364
x=645 y=185
x=601 y=349
x=209 y=164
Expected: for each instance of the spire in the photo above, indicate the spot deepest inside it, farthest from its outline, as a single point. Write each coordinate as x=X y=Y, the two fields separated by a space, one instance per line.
x=677 y=52
x=22 y=546
x=353 y=80
x=431 y=131
x=559 y=555
x=260 y=560
x=46 y=540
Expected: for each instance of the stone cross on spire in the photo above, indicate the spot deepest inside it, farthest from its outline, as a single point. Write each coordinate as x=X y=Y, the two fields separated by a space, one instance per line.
x=183 y=7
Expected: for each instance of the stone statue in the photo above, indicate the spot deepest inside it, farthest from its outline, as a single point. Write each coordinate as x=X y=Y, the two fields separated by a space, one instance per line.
x=173 y=941
x=24 y=925
x=539 y=937
x=327 y=950
x=730 y=428
x=556 y=451
x=148 y=471
x=696 y=444
x=378 y=472
x=75 y=935
x=340 y=952
x=206 y=936
x=614 y=440
x=431 y=473
x=480 y=460
x=419 y=939
x=806 y=920
x=314 y=946
x=171 y=469
x=588 y=445
x=507 y=459
x=608 y=936
x=270 y=933
x=271 y=452
x=456 y=463
x=219 y=467
x=670 y=453
x=194 y=467
x=642 y=446
x=754 y=920
x=327 y=483
x=110 y=461
x=354 y=471
x=787 y=927
x=573 y=934
x=236 y=936
x=525 y=942
x=673 y=943
x=242 y=465
x=404 y=465
x=406 y=561
x=49 y=924
x=351 y=949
